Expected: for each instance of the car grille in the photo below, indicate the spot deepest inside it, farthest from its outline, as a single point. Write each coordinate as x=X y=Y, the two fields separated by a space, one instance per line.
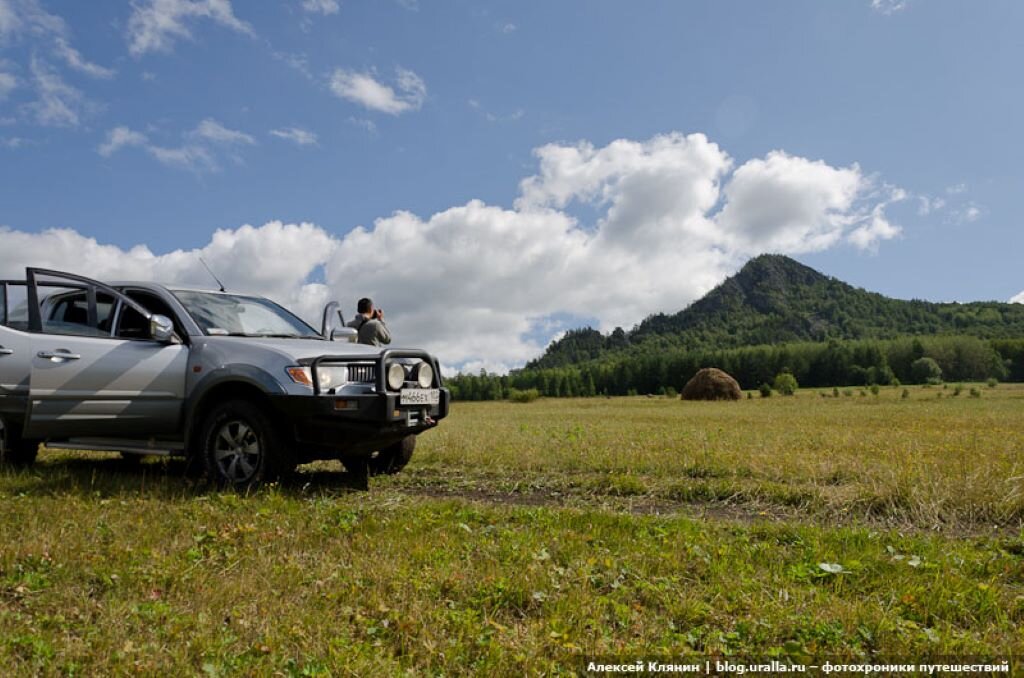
x=366 y=374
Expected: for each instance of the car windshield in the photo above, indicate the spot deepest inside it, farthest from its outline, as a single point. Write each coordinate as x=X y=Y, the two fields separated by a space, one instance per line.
x=238 y=316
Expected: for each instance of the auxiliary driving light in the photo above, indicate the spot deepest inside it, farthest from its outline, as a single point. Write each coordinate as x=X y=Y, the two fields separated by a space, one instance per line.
x=396 y=376
x=423 y=375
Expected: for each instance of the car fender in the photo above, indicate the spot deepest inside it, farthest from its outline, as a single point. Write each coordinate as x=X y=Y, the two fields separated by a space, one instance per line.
x=248 y=375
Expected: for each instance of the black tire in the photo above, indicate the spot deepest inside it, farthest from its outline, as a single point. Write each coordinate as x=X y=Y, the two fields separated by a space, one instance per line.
x=392 y=458
x=241 y=446
x=129 y=460
x=194 y=467
x=19 y=453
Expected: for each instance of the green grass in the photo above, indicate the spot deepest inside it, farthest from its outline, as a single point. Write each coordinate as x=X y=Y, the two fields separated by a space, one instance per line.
x=524 y=536
x=955 y=461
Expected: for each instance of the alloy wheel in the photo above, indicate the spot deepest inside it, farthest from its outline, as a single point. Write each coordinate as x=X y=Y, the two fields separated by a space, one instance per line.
x=236 y=451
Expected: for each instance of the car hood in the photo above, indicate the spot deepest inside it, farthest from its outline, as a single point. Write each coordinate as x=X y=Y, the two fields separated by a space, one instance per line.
x=295 y=349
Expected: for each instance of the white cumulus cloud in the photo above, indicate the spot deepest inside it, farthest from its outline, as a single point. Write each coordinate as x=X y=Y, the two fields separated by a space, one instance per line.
x=75 y=60
x=58 y=104
x=324 y=7
x=297 y=135
x=889 y=6
x=155 y=25
x=7 y=84
x=211 y=130
x=273 y=259
x=9 y=22
x=1019 y=299
x=792 y=204
x=118 y=138
x=363 y=88
x=481 y=284
x=927 y=205
x=965 y=213
x=198 y=153
x=27 y=19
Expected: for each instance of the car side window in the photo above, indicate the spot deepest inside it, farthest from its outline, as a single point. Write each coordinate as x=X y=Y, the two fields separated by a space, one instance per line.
x=15 y=312
x=133 y=325
x=68 y=313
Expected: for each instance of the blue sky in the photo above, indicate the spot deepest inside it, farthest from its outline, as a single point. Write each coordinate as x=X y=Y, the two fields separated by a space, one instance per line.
x=153 y=123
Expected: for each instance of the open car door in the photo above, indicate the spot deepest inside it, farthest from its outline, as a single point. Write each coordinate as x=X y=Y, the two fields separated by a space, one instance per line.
x=86 y=378
x=15 y=356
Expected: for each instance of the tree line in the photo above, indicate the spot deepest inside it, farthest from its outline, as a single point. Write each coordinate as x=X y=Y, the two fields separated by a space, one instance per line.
x=813 y=364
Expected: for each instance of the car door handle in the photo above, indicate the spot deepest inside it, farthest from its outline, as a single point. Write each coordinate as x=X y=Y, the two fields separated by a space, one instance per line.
x=56 y=356
x=6 y=351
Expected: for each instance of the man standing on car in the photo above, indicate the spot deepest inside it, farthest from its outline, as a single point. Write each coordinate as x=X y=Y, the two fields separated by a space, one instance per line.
x=369 y=323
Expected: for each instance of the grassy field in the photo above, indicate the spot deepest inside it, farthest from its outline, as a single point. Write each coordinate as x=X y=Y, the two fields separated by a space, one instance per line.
x=526 y=536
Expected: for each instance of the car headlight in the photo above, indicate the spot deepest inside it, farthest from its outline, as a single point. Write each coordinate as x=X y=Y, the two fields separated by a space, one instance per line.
x=332 y=376
x=396 y=376
x=329 y=376
x=423 y=374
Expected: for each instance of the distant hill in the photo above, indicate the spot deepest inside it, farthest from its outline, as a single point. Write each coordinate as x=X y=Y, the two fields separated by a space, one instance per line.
x=775 y=299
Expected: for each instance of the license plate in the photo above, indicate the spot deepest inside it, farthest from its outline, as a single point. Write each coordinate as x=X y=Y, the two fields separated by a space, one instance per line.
x=419 y=396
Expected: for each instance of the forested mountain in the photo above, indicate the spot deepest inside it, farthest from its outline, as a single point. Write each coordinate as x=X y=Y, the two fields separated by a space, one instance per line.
x=776 y=315
x=774 y=299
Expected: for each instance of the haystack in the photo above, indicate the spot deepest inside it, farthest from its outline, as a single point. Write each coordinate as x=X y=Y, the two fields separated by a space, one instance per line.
x=711 y=383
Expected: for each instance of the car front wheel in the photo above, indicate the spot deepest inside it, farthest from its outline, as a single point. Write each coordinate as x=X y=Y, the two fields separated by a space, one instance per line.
x=241 y=445
x=393 y=458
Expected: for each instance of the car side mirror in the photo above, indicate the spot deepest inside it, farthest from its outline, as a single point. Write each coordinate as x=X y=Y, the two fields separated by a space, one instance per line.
x=161 y=328
x=333 y=322
x=345 y=334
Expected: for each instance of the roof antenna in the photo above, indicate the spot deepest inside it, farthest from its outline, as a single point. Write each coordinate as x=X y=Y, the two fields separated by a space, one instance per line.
x=213 y=275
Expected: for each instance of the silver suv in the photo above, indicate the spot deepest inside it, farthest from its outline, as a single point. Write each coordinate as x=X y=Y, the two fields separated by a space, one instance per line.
x=236 y=384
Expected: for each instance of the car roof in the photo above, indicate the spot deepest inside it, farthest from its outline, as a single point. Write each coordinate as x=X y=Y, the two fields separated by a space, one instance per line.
x=173 y=287
x=151 y=284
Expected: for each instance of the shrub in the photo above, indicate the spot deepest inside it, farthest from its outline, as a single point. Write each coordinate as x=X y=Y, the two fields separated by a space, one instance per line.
x=750 y=395
x=923 y=370
x=874 y=389
x=992 y=381
x=835 y=391
x=766 y=390
x=527 y=396
x=785 y=383
x=848 y=392
x=670 y=392
x=906 y=394
x=975 y=393
x=896 y=383
x=957 y=389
